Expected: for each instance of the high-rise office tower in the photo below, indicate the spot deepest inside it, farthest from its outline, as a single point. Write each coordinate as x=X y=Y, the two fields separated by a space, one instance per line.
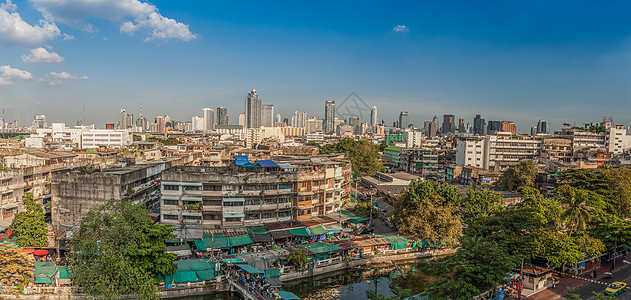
x=508 y=126
x=267 y=115
x=373 y=116
x=252 y=110
x=278 y=118
x=354 y=121
x=209 y=118
x=222 y=116
x=329 y=117
x=543 y=127
x=478 y=125
x=403 y=119
x=160 y=124
x=449 y=125
x=435 y=120
x=242 y=120
x=122 y=119
x=461 y=128
x=493 y=127
x=299 y=119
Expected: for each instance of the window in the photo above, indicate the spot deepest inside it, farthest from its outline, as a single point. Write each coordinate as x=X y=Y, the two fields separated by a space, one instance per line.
x=170 y=202
x=233 y=219
x=251 y=187
x=192 y=217
x=169 y=217
x=251 y=217
x=284 y=213
x=252 y=201
x=210 y=201
x=171 y=187
x=269 y=187
x=212 y=187
x=284 y=199
x=192 y=188
x=212 y=216
x=239 y=203
x=284 y=186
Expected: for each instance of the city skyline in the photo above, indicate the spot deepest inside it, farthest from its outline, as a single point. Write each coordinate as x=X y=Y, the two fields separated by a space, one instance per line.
x=533 y=61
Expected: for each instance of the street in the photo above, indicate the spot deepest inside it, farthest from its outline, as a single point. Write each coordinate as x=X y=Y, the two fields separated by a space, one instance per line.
x=623 y=275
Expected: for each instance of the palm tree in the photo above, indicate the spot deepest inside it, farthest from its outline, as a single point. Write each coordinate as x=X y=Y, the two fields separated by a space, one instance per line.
x=577 y=211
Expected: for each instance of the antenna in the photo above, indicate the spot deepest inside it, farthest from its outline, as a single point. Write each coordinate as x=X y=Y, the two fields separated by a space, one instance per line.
x=140 y=117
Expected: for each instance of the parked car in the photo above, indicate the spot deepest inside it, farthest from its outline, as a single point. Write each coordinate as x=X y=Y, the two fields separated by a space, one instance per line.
x=615 y=288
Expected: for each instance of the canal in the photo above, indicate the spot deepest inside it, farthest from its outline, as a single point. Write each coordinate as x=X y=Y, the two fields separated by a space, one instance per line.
x=353 y=283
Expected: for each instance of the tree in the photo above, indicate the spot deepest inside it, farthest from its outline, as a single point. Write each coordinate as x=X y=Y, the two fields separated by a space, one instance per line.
x=127 y=246
x=427 y=214
x=620 y=184
x=479 y=265
x=559 y=248
x=593 y=247
x=613 y=233
x=15 y=266
x=29 y=225
x=480 y=202
x=298 y=258
x=363 y=210
x=601 y=296
x=547 y=209
x=517 y=176
x=363 y=153
x=571 y=295
x=577 y=211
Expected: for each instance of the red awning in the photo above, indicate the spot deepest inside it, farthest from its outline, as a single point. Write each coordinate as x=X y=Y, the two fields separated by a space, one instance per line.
x=28 y=250
x=40 y=252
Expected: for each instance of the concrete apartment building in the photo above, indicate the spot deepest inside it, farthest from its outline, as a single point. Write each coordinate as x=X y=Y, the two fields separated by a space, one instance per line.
x=196 y=200
x=496 y=152
x=421 y=162
x=105 y=138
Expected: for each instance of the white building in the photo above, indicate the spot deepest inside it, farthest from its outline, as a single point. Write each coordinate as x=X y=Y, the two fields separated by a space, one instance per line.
x=471 y=152
x=299 y=119
x=618 y=139
x=61 y=134
x=209 y=118
x=412 y=139
x=257 y=135
x=106 y=138
x=267 y=115
x=198 y=123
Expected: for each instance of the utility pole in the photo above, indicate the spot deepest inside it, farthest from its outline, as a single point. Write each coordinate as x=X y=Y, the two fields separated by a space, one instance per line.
x=371 y=208
x=520 y=283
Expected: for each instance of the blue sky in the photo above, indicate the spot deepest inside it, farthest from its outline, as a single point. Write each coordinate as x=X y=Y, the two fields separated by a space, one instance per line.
x=563 y=61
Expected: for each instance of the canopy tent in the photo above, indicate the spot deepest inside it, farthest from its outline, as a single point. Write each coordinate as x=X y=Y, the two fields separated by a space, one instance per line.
x=249 y=269
x=320 y=247
x=358 y=220
x=191 y=270
x=396 y=242
x=348 y=214
x=333 y=228
x=40 y=252
x=64 y=272
x=272 y=273
x=299 y=232
x=317 y=230
x=288 y=295
x=275 y=282
x=239 y=240
x=267 y=163
x=212 y=243
x=28 y=250
x=261 y=238
x=257 y=230
x=281 y=234
x=43 y=280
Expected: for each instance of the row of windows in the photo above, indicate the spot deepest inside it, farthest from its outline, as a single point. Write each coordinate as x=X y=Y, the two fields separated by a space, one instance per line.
x=218 y=188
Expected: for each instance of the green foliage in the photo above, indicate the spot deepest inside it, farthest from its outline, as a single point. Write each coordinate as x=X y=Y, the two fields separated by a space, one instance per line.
x=29 y=225
x=613 y=233
x=363 y=210
x=559 y=248
x=364 y=155
x=577 y=207
x=548 y=210
x=128 y=248
x=298 y=258
x=427 y=211
x=400 y=292
x=571 y=295
x=517 y=176
x=88 y=168
x=601 y=296
x=592 y=246
x=480 y=203
x=479 y=265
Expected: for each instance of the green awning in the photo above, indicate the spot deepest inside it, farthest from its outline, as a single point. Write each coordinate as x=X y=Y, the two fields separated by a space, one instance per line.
x=206 y=274
x=299 y=232
x=272 y=273
x=288 y=295
x=317 y=230
x=185 y=276
x=231 y=261
x=239 y=240
x=64 y=272
x=348 y=214
x=320 y=248
x=396 y=242
x=257 y=230
x=43 y=280
x=250 y=269
x=358 y=220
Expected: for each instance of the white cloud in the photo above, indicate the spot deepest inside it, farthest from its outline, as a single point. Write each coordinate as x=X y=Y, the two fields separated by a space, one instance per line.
x=42 y=56
x=16 y=32
x=68 y=37
x=54 y=78
x=400 y=28
x=10 y=75
x=133 y=15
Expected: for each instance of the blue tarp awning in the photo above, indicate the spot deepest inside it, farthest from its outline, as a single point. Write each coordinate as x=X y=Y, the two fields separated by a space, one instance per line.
x=250 y=269
x=242 y=160
x=267 y=163
x=288 y=295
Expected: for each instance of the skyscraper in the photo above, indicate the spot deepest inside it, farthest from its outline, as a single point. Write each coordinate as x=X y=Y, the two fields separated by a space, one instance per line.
x=493 y=127
x=122 y=119
x=449 y=125
x=267 y=115
x=329 y=117
x=39 y=122
x=299 y=119
x=242 y=120
x=508 y=126
x=461 y=128
x=403 y=119
x=160 y=123
x=435 y=120
x=373 y=116
x=209 y=118
x=278 y=118
x=354 y=121
x=222 y=116
x=543 y=127
x=478 y=125
x=252 y=110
